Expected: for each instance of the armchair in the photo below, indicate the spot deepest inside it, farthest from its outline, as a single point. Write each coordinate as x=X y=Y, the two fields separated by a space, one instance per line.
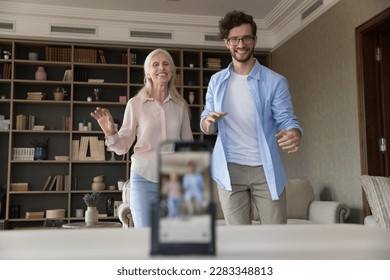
x=124 y=212
x=377 y=191
x=302 y=208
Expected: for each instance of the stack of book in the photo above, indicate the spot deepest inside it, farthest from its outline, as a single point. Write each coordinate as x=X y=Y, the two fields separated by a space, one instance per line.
x=23 y=153
x=66 y=123
x=25 y=122
x=214 y=63
x=57 y=183
x=58 y=54
x=38 y=127
x=35 y=215
x=178 y=80
x=7 y=71
x=36 y=95
x=4 y=124
x=85 y=55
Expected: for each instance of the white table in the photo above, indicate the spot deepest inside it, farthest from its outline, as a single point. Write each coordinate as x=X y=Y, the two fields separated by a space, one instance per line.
x=272 y=242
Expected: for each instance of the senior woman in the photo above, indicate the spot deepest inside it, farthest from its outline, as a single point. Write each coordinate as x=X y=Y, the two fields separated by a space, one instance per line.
x=157 y=113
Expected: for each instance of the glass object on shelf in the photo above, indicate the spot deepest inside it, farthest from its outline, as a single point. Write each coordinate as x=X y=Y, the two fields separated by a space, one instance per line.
x=98 y=94
x=112 y=153
x=110 y=206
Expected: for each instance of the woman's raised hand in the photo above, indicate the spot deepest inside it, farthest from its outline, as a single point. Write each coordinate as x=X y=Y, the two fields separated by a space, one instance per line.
x=105 y=120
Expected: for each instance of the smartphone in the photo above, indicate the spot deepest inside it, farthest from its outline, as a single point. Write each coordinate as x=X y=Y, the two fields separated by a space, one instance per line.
x=183 y=219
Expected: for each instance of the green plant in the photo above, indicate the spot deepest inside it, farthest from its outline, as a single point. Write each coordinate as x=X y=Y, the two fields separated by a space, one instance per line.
x=91 y=199
x=44 y=142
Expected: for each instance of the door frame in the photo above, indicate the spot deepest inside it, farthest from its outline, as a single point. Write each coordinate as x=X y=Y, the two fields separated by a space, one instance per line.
x=361 y=31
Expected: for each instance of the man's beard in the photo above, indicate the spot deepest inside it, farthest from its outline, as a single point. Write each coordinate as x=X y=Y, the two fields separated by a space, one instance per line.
x=241 y=59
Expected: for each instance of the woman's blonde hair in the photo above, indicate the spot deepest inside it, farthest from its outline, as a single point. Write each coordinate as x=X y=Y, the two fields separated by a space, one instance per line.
x=148 y=84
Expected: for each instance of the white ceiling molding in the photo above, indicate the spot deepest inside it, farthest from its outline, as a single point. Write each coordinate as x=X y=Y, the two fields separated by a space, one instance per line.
x=112 y=26
x=292 y=25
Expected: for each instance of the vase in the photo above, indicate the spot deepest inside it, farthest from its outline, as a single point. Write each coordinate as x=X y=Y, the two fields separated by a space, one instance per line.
x=191 y=97
x=110 y=206
x=40 y=74
x=91 y=216
x=40 y=153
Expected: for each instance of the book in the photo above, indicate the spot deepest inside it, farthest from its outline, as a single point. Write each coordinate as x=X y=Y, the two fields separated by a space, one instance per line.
x=48 y=180
x=75 y=149
x=60 y=183
x=53 y=183
x=102 y=57
x=35 y=215
x=67 y=75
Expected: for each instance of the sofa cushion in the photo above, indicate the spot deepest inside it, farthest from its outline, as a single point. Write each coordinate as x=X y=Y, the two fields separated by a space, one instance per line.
x=377 y=190
x=299 y=195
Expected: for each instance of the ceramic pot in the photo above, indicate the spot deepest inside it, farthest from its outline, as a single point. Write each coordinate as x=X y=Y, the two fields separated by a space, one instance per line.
x=91 y=216
x=40 y=153
x=40 y=74
x=59 y=94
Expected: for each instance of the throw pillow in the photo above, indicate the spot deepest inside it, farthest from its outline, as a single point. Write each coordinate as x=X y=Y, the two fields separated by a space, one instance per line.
x=377 y=190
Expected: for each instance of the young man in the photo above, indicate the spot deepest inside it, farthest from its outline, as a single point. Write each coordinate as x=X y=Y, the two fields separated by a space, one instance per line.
x=250 y=107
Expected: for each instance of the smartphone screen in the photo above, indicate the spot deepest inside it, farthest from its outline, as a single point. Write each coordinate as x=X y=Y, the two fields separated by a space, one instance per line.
x=183 y=219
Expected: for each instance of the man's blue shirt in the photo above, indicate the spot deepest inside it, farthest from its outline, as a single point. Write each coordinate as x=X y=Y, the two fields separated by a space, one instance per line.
x=274 y=113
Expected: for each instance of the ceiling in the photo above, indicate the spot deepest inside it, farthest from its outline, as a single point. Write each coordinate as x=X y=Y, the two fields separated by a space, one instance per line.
x=186 y=7
x=277 y=20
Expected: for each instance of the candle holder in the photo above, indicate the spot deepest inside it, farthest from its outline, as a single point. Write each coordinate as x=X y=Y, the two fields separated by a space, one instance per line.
x=98 y=94
x=112 y=153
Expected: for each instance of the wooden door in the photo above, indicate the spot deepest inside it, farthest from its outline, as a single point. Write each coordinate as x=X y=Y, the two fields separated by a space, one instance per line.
x=373 y=69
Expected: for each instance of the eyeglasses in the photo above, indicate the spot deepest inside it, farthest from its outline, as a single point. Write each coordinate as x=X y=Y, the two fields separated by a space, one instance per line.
x=247 y=40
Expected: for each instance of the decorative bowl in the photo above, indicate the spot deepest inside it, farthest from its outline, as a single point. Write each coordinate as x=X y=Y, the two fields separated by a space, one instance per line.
x=98 y=179
x=55 y=213
x=98 y=186
x=33 y=56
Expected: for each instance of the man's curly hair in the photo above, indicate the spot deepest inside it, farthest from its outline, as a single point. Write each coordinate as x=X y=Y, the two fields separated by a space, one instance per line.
x=233 y=19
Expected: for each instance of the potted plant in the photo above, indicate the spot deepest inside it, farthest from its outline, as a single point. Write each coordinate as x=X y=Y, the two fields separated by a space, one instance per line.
x=91 y=200
x=40 y=148
x=7 y=54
